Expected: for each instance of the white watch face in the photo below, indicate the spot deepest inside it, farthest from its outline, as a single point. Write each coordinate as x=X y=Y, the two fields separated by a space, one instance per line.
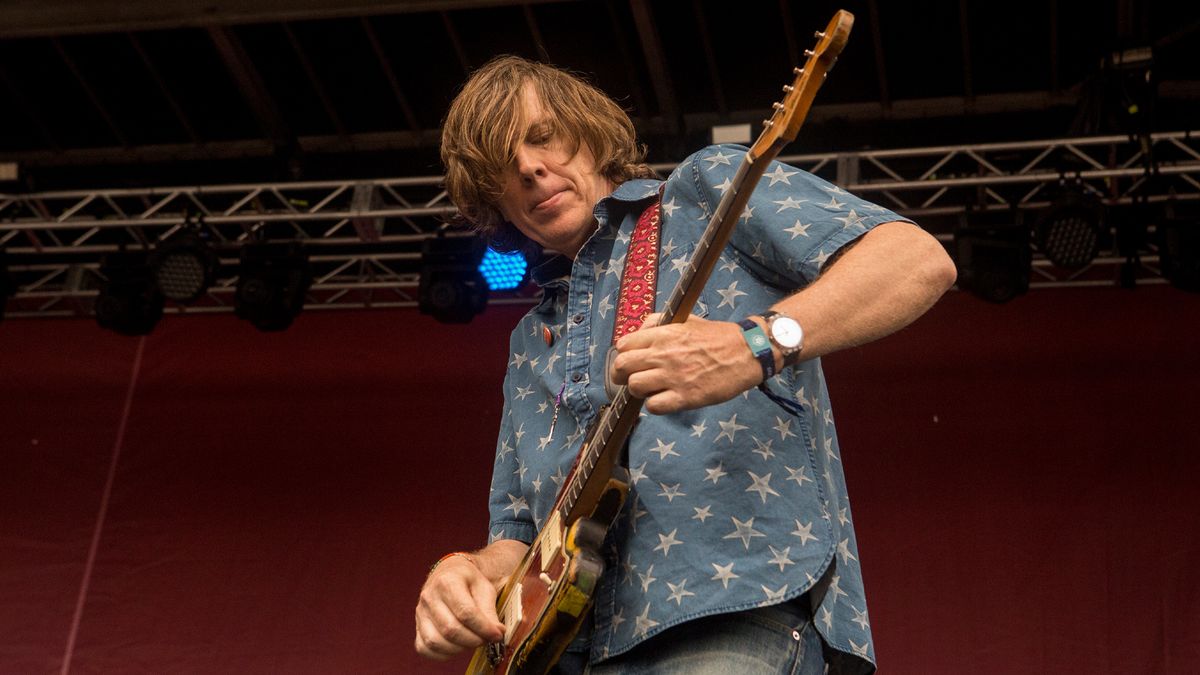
x=787 y=332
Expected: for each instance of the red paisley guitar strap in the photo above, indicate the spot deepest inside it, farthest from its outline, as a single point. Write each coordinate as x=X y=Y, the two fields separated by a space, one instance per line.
x=639 y=281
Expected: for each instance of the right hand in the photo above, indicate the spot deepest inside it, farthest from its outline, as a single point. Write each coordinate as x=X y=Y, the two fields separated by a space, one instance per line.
x=456 y=610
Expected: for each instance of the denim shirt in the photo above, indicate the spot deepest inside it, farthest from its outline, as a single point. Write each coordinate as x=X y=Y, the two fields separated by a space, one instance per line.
x=732 y=506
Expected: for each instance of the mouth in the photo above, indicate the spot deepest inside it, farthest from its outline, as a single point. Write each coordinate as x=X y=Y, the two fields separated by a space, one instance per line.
x=549 y=202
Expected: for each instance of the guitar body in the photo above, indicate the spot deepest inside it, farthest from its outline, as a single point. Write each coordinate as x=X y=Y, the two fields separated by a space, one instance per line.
x=547 y=599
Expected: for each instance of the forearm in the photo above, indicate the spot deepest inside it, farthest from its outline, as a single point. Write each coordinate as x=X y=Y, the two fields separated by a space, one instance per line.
x=887 y=279
x=498 y=559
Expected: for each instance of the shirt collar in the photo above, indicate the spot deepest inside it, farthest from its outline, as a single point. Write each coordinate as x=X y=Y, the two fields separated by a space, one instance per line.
x=559 y=266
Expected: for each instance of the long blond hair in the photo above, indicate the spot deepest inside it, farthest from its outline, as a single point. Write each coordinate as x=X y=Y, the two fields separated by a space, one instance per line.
x=484 y=124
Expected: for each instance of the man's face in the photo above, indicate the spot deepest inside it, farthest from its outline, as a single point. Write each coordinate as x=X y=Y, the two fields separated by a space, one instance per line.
x=549 y=194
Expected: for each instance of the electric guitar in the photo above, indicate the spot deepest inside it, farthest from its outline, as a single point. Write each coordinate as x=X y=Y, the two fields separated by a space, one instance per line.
x=547 y=598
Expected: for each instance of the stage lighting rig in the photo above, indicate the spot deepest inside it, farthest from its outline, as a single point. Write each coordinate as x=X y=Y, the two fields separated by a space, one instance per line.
x=129 y=302
x=994 y=263
x=1179 y=253
x=1070 y=232
x=184 y=266
x=273 y=278
x=8 y=287
x=451 y=288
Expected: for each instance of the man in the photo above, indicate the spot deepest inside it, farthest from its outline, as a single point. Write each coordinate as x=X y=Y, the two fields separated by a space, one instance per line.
x=735 y=551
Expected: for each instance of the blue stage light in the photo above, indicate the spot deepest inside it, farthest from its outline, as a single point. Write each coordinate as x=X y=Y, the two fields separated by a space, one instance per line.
x=502 y=271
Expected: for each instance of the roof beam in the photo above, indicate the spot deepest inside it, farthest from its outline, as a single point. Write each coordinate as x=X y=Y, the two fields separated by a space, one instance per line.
x=405 y=109
x=402 y=140
x=314 y=80
x=885 y=97
x=656 y=63
x=25 y=18
x=87 y=89
x=250 y=83
x=173 y=102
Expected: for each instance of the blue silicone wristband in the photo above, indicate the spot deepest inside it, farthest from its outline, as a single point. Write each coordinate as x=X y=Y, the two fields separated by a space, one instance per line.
x=760 y=346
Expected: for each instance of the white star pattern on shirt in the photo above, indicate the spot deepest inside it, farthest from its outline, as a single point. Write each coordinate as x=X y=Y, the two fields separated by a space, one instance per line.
x=678 y=592
x=784 y=428
x=671 y=491
x=664 y=449
x=647 y=578
x=849 y=220
x=783 y=252
x=744 y=530
x=724 y=574
x=517 y=506
x=680 y=264
x=665 y=542
x=643 y=623
x=789 y=203
x=780 y=557
x=805 y=533
x=762 y=448
x=715 y=474
x=719 y=158
x=777 y=595
x=729 y=295
x=798 y=229
x=779 y=175
x=798 y=475
x=862 y=649
x=729 y=428
x=826 y=618
x=844 y=551
x=761 y=485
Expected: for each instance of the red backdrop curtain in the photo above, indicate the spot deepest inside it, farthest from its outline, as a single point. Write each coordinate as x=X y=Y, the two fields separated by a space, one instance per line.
x=213 y=499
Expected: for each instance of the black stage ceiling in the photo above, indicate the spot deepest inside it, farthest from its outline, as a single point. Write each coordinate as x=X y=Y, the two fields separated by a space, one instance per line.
x=139 y=92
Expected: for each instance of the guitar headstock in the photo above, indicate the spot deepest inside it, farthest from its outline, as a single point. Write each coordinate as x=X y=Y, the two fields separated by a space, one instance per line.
x=789 y=113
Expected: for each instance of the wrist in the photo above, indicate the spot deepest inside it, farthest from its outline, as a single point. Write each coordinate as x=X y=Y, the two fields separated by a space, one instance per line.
x=453 y=554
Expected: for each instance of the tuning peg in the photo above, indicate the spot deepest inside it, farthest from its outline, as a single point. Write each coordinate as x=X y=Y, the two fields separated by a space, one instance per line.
x=809 y=52
x=797 y=71
x=787 y=88
x=777 y=105
x=820 y=35
x=767 y=124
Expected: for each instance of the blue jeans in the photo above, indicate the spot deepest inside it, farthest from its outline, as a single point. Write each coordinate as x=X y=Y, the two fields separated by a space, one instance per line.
x=775 y=640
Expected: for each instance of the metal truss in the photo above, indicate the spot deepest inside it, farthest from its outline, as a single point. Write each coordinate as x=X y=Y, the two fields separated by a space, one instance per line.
x=364 y=237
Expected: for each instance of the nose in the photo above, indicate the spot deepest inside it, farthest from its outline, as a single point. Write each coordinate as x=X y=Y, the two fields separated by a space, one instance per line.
x=529 y=163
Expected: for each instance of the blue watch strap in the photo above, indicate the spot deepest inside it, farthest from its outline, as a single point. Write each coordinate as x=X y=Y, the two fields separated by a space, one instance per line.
x=760 y=346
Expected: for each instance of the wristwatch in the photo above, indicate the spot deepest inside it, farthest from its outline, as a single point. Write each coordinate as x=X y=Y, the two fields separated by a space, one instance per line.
x=785 y=333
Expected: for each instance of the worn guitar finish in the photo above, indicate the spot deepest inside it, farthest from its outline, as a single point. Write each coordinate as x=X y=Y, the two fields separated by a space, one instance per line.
x=546 y=600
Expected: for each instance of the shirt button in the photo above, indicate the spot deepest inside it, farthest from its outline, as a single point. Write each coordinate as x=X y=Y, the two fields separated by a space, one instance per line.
x=577 y=319
x=796 y=635
x=577 y=377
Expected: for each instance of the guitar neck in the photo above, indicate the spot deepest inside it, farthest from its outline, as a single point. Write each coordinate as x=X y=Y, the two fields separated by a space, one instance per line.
x=616 y=421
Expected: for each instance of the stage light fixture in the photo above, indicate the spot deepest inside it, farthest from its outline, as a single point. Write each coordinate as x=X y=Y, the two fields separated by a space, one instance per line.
x=273 y=278
x=129 y=302
x=1070 y=232
x=452 y=288
x=1179 y=253
x=8 y=287
x=503 y=271
x=993 y=262
x=184 y=266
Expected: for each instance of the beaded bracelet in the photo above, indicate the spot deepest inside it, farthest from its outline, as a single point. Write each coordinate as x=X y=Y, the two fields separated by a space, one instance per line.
x=446 y=557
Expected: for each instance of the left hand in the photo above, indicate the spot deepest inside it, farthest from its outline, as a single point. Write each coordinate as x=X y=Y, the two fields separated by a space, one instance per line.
x=683 y=366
